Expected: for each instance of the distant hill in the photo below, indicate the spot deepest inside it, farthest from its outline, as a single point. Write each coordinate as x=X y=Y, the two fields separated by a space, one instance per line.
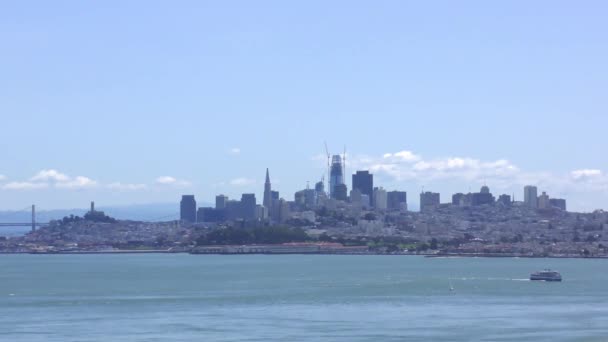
x=137 y=212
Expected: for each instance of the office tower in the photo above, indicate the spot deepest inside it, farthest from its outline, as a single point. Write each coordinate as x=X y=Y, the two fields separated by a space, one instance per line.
x=248 y=204
x=558 y=203
x=187 y=208
x=336 y=175
x=429 y=200
x=208 y=214
x=220 y=201
x=341 y=192
x=543 y=201
x=482 y=197
x=396 y=200
x=364 y=182
x=267 y=192
x=531 y=196
x=274 y=195
x=283 y=210
x=380 y=199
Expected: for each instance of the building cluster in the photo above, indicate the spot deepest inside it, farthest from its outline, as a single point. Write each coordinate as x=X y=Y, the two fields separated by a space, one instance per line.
x=363 y=197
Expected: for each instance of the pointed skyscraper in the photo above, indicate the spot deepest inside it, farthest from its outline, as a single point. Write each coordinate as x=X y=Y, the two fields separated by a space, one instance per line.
x=267 y=192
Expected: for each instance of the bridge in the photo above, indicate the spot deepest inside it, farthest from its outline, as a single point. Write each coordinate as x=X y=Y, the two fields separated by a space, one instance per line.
x=32 y=224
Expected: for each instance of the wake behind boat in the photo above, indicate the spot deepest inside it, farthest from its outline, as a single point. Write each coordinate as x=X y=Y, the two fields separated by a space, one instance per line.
x=546 y=275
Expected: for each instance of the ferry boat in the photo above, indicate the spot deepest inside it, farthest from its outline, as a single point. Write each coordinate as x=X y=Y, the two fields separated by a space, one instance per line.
x=546 y=275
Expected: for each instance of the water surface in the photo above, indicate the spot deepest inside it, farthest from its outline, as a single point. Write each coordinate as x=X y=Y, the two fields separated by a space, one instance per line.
x=180 y=297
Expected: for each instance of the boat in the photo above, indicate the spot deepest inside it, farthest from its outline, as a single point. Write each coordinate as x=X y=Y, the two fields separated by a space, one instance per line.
x=546 y=275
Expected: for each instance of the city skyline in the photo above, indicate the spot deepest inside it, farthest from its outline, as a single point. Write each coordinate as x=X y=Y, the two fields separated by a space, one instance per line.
x=141 y=112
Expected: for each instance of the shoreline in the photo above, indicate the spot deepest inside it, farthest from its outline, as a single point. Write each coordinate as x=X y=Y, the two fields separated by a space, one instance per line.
x=426 y=255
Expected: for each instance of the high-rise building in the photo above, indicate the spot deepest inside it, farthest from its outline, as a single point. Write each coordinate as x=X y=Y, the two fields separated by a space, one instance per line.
x=364 y=182
x=558 y=203
x=274 y=195
x=429 y=200
x=380 y=199
x=187 y=208
x=220 y=201
x=396 y=200
x=267 y=192
x=341 y=192
x=531 y=196
x=482 y=197
x=248 y=206
x=336 y=175
x=543 y=201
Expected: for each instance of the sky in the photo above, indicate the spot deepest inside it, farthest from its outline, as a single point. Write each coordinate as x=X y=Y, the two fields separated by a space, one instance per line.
x=126 y=102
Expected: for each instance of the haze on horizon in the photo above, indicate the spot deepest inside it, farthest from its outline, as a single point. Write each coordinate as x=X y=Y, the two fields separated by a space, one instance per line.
x=143 y=101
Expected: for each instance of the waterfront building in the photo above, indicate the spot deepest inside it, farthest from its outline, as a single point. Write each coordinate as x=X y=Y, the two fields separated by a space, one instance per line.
x=283 y=210
x=396 y=200
x=336 y=175
x=380 y=199
x=220 y=201
x=429 y=200
x=187 y=208
x=248 y=206
x=531 y=196
x=208 y=214
x=559 y=203
x=364 y=182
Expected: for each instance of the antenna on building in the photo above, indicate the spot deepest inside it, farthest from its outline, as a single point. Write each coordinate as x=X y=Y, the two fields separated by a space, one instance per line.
x=328 y=160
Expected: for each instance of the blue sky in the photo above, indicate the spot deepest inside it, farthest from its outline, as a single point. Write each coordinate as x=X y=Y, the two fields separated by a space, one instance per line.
x=140 y=101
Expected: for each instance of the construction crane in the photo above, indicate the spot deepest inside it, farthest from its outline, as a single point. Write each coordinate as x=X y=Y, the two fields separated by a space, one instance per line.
x=328 y=161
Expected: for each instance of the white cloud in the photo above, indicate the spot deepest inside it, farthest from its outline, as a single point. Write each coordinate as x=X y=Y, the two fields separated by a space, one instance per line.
x=242 y=181
x=79 y=182
x=50 y=175
x=2 y=177
x=402 y=156
x=168 y=180
x=24 y=186
x=235 y=150
x=585 y=174
x=126 y=186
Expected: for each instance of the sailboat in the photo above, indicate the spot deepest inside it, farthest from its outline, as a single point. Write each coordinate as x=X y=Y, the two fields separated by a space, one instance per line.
x=451 y=287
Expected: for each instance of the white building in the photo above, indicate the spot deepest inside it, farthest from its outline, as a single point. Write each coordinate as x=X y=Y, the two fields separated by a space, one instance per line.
x=380 y=198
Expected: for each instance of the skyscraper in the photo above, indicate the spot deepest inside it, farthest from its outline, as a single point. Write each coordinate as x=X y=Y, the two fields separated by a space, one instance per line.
x=531 y=196
x=248 y=206
x=364 y=182
x=429 y=200
x=187 y=208
x=220 y=201
x=380 y=198
x=267 y=192
x=396 y=200
x=336 y=175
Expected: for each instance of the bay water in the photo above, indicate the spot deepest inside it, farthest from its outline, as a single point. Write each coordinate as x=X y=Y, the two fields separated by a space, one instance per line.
x=181 y=297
